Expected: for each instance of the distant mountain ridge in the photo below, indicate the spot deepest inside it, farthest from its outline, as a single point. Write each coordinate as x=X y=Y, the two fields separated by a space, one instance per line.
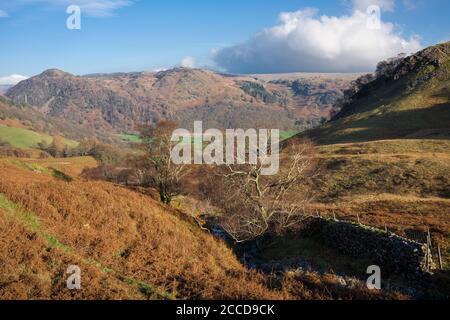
x=120 y=101
x=409 y=98
x=4 y=88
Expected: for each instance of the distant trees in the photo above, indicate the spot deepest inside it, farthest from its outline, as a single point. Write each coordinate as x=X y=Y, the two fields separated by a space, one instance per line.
x=254 y=204
x=155 y=167
x=258 y=91
x=302 y=88
x=356 y=85
x=86 y=147
x=57 y=148
x=104 y=153
x=4 y=143
x=387 y=67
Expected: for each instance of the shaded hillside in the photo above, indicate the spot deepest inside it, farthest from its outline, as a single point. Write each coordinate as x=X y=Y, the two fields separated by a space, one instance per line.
x=118 y=102
x=412 y=100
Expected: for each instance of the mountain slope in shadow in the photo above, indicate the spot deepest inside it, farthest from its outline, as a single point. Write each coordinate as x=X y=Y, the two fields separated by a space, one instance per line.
x=412 y=101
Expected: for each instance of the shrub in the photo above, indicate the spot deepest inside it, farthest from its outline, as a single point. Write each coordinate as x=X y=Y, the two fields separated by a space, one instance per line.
x=104 y=153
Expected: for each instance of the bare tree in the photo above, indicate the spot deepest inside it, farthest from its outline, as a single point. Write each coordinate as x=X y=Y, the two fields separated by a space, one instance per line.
x=255 y=204
x=155 y=168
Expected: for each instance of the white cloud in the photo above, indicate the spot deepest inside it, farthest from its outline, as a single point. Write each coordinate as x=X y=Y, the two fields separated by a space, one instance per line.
x=188 y=62
x=385 y=5
x=94 y=8
x=303 y=41
x=3 y=14
x=160 y=70
x=12 y=79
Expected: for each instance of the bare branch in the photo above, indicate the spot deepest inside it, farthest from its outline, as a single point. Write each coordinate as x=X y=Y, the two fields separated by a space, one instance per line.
x=255 y=204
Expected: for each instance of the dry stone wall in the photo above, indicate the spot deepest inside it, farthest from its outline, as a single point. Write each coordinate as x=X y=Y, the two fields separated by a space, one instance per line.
x=394 y=254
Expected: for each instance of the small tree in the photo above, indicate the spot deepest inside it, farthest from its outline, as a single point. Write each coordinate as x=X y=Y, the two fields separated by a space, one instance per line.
x=155 y=168
x=57 y=148
x=85 y=147
x=4 y=143
x=255 y=204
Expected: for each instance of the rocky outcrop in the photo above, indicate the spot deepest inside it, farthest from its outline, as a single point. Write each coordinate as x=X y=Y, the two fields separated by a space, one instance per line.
x=402 y=76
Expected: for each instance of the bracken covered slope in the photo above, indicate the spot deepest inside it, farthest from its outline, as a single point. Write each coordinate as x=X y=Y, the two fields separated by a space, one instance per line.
x=117 y=237
x=126 y=245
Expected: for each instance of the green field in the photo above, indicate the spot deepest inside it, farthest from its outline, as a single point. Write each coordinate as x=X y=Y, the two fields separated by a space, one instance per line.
x=135 y=138
x=24 y=138
x=287 y=134
x=128 y=137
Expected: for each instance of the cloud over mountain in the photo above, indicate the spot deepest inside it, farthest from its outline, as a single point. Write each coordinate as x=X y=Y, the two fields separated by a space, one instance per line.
x=188 y=62
x=305 y=41
x=12 y=79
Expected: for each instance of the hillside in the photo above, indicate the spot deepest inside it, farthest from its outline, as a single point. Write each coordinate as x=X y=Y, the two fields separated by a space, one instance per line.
x=118 y=102
x=385 y=155
x=410 y=101
x=23 y=126
x=127 y=245
x=23 y=138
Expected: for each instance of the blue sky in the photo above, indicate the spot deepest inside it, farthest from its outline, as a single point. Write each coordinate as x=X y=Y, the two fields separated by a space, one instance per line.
x=126 y=35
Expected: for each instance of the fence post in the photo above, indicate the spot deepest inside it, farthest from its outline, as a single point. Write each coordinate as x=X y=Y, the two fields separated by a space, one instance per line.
x=440 y=257
x=429 y=237
x=428 y=250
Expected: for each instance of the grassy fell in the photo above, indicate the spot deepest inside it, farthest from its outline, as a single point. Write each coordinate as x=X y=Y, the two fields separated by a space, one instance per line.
x=403 y=185
x=25 y=138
